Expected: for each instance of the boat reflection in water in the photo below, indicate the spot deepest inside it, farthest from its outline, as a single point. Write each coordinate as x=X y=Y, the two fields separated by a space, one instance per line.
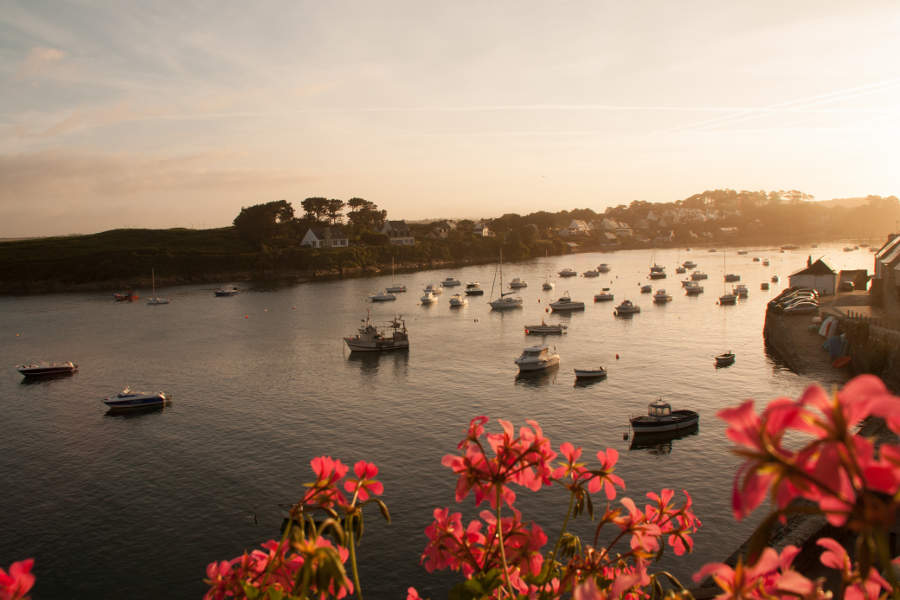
x=660 y=443
x=369 y=362
x=538 y=378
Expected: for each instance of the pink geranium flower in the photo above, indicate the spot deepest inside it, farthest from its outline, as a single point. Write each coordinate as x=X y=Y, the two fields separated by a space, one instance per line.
x=15 y=584
x=365 y=482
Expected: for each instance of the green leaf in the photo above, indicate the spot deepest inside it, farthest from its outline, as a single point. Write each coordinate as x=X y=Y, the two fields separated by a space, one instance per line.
x=275 y=594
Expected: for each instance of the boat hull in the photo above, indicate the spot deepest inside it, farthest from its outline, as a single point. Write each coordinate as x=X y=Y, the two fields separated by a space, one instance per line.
x=386 y=345
x=679 y=419
x=590 y=373
x=38 y=371
x=137 y=402
x=537 y=366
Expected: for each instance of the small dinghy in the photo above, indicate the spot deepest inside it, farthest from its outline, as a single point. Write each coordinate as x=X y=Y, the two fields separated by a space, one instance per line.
x=588 y=374
x=723 y=360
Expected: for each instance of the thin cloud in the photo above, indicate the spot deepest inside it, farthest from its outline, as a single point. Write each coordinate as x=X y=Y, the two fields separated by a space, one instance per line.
x=38 y=61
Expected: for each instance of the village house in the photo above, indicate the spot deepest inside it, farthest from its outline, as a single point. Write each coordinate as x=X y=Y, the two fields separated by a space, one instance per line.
x=325 y=237
x=817 y=275
x=481 y=230
x=398 y=233
x=886 y=282
x=576 y=227
x=439 y=230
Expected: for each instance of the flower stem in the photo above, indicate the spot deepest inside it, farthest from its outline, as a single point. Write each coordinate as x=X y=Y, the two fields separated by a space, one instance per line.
x=502 y=550
x=353 y=558
x=562 y=532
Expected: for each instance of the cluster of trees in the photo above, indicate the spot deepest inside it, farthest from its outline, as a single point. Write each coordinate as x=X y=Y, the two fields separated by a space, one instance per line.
x=362 y=214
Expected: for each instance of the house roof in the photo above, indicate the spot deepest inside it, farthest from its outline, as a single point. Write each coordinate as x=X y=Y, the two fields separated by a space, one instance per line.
x=817 y=268
x=892 y=243
x=891 y=255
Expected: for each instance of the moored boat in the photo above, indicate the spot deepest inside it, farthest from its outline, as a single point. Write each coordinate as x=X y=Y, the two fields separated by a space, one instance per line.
x=764 y=285
x=603 y=268
x=227 y=292
x=129 y=399
x=646 y=288
x=517 y=283
x=567 y=272
x=740 y=290
x=604 y=296
x=434 y=289
x=383 y=296
x=457 y=301
x=692 y=288
x=125 y=296
x=473 y=288
x=370 y=338
x=428 y=298
x=450 y=282
x=565 y=303
x=698 y=275
x=689 y=264
x=627 y=308
x=545 y=329
x=727 y=299
x=591 y=273
x=595 y=373
x=536 y=358
x=731 y=277
x=661 y=297
x=47 y=369
x=661 y=417
x=725 y=359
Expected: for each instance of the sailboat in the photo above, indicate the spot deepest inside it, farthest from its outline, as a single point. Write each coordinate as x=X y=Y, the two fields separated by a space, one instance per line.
x=394 y=288
x=154 y=299
x=726 y=298
x=505 y=299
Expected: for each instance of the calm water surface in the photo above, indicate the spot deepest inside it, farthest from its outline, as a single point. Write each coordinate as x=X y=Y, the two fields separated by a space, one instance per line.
x=137 y=506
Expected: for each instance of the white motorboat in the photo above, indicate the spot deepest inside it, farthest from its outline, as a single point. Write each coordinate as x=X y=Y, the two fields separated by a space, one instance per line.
x=661 y=297
x=603 y=268
x=227 y=292
x=627 y=308
x=47 y=369
x=458 y=301
x=428 y=298
x=434 y=289
x=393 y=336
x=504 y=300
x=536 y=358
x=586 y=374
x=689 y=264
x=450 y=282
x=565 y=303
x=517 y=283
x=154 y=299
x=473 y=288
x=661 y=417
x=567 y=272
x=383 y=296
x=544 y=329
x=646 y=288
x=129 y=399
x=591 y=273
x=604 y=296
x=698 y=275
x=547 y=286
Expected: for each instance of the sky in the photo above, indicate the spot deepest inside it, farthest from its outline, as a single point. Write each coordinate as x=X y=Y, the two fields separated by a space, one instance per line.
x=177 y=114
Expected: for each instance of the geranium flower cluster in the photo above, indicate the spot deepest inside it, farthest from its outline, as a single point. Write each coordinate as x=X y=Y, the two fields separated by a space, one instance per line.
x=305 y=563
x=508 y=561
x=15 y=584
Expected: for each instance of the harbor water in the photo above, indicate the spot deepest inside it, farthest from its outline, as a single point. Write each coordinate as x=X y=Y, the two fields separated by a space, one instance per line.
x=136 y=506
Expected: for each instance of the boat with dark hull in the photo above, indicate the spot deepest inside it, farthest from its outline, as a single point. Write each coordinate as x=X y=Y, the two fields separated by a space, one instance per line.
x=47 y=369
x=128 y=400
x=660 y=417
x=725 y=359
x=370 y=338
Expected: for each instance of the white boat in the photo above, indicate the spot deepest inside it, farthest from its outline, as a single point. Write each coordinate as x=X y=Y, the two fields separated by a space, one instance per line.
x=450 y=282
x=604 y=296
x=504 y=300
x=517 y=283
x=646 y=289
x=603 y=268
x=434 y=289
x=47 y=369
x=227 y=292
x=473 y=288
x=383 y=296
x=536 y=358
x=727 y=299
x=154 y=299
x=627 y=308
x=661 y=297
x=129 y=399
x=428 y=298
x=547 y=285
x=595 y=373
x=591 y=273
x=698 y=275
x=457 y=301
x=657 y=272
x=567 y=272
x=394 y=288
x=661 y=417
x=689 y=264
x=565 y=303
x=544 y=329
x=393 y=336
x=740 y=290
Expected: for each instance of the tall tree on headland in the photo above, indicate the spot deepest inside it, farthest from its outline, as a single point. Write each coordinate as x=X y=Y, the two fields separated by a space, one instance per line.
x=365 y=215
x=333 y=209
x=316 y=208
x=260 y=223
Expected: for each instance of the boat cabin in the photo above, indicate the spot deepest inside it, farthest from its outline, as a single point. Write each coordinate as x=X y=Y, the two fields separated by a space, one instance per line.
x=658 y=408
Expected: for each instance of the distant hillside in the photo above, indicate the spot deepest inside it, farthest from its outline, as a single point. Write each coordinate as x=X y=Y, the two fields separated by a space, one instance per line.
x=845 y=202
